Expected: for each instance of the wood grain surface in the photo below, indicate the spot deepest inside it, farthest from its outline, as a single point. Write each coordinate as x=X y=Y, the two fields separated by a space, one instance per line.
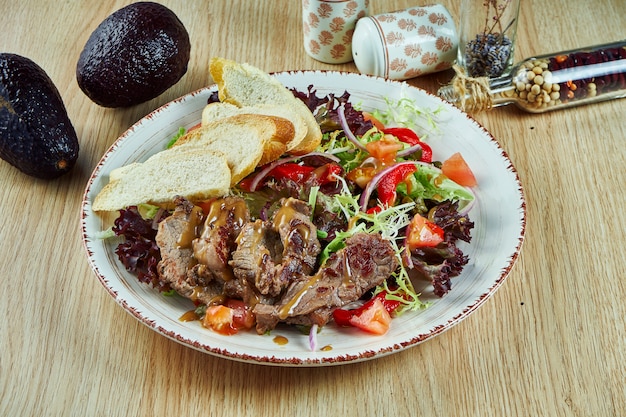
x=550 y=342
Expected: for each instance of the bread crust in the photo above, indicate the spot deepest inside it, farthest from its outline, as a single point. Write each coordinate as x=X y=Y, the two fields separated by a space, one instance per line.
x=248 y=140
x=163 y=176
x=218 y=110
x=243 y=85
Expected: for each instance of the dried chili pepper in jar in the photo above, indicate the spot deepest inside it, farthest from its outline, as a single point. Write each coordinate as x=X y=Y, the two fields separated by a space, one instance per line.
x=547 y=82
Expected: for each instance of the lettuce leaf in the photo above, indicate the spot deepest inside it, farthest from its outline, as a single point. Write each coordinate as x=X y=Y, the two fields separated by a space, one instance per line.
x=428 y=183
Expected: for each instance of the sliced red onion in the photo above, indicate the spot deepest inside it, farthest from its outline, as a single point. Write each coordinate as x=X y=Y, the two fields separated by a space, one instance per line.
x=370 y=161
x=371 y=186
x=313 y=338
x=258 y=178
x=346 y=129
x=410 y=150
x=325 y=155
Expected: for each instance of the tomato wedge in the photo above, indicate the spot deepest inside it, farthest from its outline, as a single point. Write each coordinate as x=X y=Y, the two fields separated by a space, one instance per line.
x=421 y=233
x=372 y=317
x=385 y=149
x=242 y=314
x=458 y=171
x=220 y=319
x=228 y=319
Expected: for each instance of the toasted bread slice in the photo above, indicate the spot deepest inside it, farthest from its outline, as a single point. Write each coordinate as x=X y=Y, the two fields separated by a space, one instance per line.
x=219 y=110
x=245 y=85
x=247 y=140
x=183 y=171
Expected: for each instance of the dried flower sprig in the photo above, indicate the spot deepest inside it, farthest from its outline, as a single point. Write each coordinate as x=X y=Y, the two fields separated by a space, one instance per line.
x=489 y=53
x=499 y=8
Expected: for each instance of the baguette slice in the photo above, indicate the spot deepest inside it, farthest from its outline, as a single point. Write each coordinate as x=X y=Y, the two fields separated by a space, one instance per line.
x=219 y=110
x=194 y=175
x=245 y=85
x=247 y=140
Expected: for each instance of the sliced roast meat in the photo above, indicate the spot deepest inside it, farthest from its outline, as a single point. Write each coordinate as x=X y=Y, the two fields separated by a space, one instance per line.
x=256 y=261
x=174 y=238
x=270 y=255
x=365 y=262
x=225 y=218
x=273 y=262
x=194 y=254
x=298 y=234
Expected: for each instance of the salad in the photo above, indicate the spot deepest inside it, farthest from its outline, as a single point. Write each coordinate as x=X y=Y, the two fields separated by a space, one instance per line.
x=374 y=175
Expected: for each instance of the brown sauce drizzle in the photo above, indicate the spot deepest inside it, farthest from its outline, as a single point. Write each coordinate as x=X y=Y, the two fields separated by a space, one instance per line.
x=190 y=315
x=219 y=212
x=347 y=279
x=192 y=229
x=284 y=215
x=280 y=340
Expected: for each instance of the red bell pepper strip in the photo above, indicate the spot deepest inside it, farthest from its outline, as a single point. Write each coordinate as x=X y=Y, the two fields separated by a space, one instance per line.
x=406 y=135
x=292 y=171
x=299 y=173
x=427 y=153
x=386 y=188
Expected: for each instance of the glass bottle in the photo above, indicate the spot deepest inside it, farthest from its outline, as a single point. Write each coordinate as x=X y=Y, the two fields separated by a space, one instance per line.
x=487 y=31
x=547 y=82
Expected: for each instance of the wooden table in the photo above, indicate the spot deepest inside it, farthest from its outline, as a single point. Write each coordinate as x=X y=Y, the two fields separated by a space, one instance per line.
x=550 y=342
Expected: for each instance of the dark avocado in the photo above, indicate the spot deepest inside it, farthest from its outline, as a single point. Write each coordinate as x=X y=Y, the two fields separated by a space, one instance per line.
x=133 y=56
x=36 y=135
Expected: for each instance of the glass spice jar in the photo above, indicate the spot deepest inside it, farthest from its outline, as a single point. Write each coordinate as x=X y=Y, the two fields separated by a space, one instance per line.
x=487 y=31
x=547 y=82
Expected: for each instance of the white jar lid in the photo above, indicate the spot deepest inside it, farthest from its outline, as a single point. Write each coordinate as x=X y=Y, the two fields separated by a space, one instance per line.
x=368 y=48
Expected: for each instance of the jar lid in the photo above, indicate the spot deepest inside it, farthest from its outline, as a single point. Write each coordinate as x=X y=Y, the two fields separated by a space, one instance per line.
x=368 y=48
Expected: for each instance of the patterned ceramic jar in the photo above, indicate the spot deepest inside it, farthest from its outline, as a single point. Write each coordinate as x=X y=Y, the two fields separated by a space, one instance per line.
x=328 y=26
x=406 y=43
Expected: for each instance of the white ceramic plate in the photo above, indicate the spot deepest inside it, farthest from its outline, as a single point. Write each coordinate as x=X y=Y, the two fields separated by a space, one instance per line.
x=499 y=217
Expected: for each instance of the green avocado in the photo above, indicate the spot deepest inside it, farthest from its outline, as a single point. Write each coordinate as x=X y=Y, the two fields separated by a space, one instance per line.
x=133 y=56
x=36 y=135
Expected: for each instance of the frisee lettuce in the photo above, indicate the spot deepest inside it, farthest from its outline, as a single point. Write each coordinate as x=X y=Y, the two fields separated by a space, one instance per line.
x=407 y=113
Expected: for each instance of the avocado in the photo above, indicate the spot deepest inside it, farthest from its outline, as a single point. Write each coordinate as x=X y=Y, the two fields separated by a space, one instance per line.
x=133 y=56
x=36 y=134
